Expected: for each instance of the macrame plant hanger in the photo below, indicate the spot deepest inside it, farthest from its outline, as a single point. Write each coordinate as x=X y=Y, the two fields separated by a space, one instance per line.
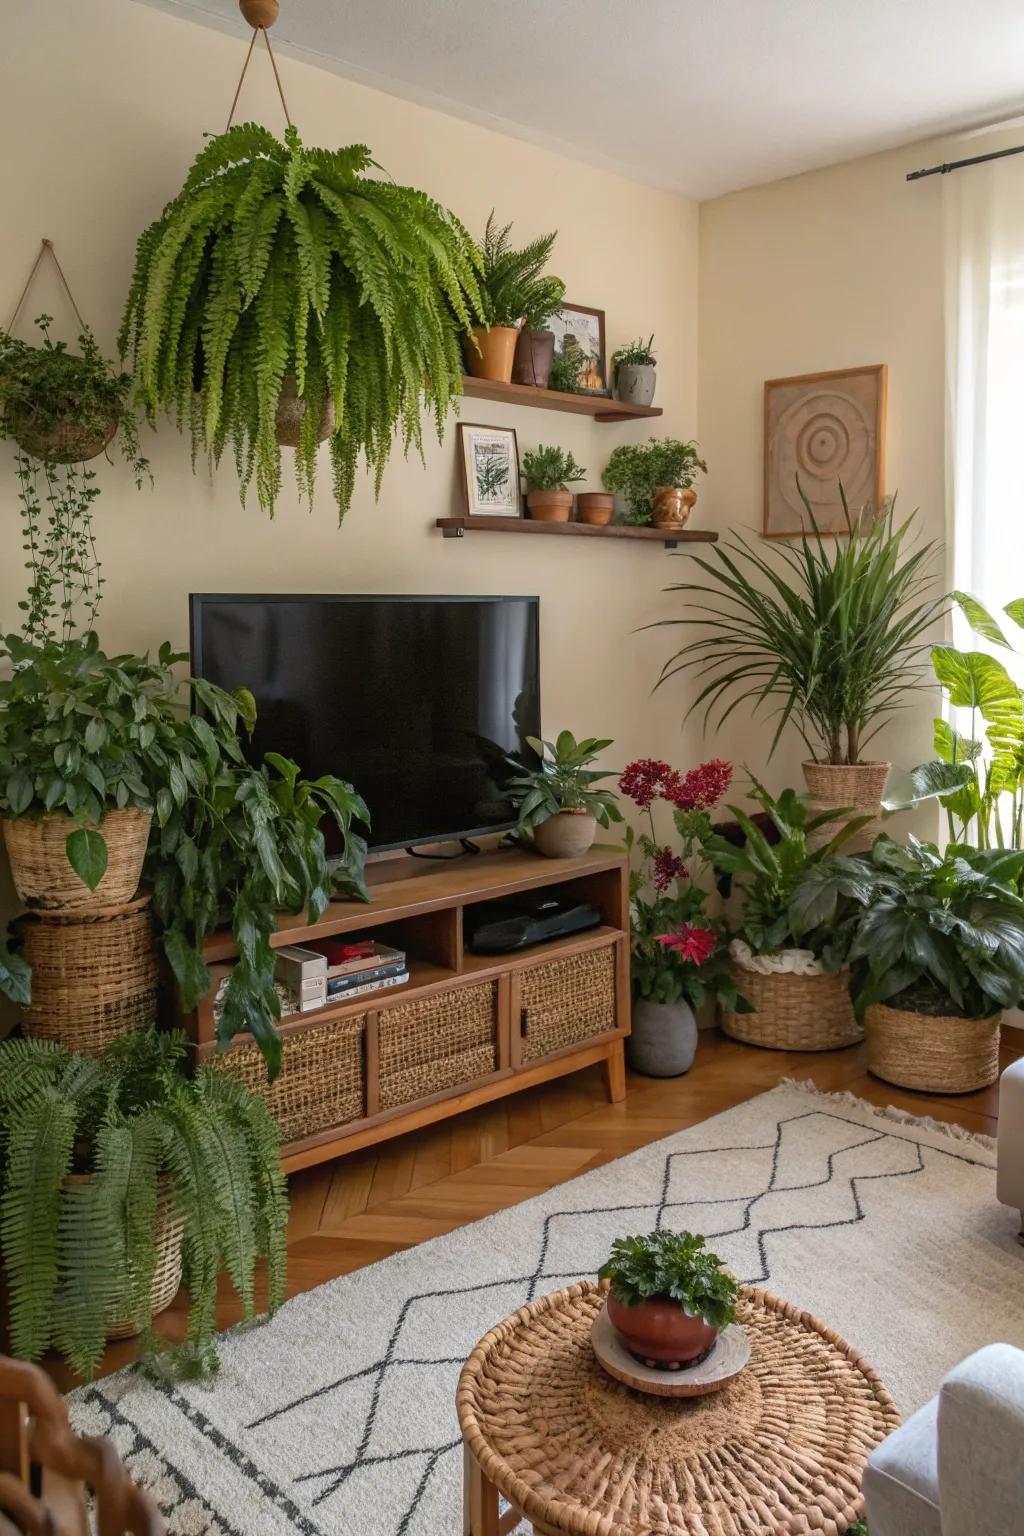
x=45 y=246
x=261 y=15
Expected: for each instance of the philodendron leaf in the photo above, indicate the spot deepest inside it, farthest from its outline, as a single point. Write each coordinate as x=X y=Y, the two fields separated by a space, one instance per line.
x=87 y=854
x=975 y=680
x=15 y=978
x=928 y=781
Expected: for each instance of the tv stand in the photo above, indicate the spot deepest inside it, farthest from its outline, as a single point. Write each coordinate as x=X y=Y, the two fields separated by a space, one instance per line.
x=466 y=1029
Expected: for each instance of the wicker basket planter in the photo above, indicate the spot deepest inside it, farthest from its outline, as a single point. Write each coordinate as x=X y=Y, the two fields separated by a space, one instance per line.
x=94 y=975
x=436 y=1043
x=320 y=1083
x=861 y=786
x=67 y=444
x=167 y=1237
x=932 y=1053
x=565 y=1002
x=793 y=1012
x=45 y=880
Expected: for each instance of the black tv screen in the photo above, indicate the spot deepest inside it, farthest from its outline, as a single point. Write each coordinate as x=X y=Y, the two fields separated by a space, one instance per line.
x=414 y=700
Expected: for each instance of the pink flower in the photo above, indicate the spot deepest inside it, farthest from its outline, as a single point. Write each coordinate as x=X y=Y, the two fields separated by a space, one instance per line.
x=701 y=788
x=668 y=866
x=690 y=943
x=644 y=780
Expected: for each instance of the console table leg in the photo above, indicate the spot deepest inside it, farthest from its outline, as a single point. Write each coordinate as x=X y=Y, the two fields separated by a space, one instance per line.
x=615 y=1071
x=479 y=1500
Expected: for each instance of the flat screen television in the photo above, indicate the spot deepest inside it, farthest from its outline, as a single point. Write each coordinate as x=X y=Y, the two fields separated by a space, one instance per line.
x=414 y=700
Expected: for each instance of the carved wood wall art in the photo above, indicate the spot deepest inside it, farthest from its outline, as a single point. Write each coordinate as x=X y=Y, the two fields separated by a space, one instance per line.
x=823 y=428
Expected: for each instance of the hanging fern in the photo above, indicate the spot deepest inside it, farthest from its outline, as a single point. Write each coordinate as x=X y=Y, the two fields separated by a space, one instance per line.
x=278 y=266
x=79 y=1252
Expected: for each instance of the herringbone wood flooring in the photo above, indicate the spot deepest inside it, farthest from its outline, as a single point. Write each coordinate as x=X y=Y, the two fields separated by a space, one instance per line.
x=364 y=1207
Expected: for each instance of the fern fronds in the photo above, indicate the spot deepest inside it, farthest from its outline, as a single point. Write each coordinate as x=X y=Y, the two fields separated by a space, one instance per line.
x=40 y=1138
x=88 y=1267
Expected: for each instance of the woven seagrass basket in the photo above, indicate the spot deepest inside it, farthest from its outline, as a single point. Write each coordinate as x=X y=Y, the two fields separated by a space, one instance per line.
x=437 y=1042
x=320 y=1083
x=167 y=1235
x=859 y=786
x=930 y=1053
x=567 y=1001
x=793 y=1013
x=94 y=975
x=45 y=880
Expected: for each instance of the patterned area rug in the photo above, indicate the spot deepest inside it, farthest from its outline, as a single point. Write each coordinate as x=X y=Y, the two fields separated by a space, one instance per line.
x=338 y=1416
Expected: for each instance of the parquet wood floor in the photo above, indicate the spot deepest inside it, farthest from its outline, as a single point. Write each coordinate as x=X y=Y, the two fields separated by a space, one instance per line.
x=362 y=1208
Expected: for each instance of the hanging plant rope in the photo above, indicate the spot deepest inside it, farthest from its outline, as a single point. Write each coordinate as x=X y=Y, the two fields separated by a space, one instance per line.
x=273 y=64
x=46 y=247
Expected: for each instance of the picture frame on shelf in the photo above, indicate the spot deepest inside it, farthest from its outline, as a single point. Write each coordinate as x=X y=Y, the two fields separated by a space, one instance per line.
x=578 y=325
x=489 y=459
x=823 y=428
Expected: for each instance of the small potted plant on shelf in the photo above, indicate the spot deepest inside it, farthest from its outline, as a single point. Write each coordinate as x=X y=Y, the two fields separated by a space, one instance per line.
x=121 y=1176
x=557 y=803
x=792 y=970
x=548 y=474
x=668 y=1297
x=937 y=945
x=634 y=372
x=678 y=959
x=514 y=292
x=835 y=637
x=567 y=369
x=655 y=480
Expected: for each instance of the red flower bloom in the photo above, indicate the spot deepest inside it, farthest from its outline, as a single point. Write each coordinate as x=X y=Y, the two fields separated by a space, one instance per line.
x=690 y=943
x=701 y=788
x=644 y=780
x=668 y=866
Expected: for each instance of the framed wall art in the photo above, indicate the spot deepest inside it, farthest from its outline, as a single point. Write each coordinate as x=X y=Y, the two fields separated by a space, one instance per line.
x=577 y=326
x=823 y=428
x=490 y=470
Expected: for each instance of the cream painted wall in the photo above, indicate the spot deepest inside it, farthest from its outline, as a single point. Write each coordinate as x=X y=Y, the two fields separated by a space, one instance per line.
x=102 y=108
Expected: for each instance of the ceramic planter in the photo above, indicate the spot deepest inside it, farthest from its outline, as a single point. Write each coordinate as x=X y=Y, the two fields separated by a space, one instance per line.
x=671 y=506
x=857 y=785
x=595 y=508
x=550 y=506
x=565 y=835
x=489 y=354
x=535 y=351
x=664 y=1038
x=659 y=1332
x=290 y=412
x=634 y=383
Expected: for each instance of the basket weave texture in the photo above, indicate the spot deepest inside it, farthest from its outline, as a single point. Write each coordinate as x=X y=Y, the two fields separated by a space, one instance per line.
x=933 y=1054
x=436 y=1042
x=94 y=975
x=320 y=1083
x=45 y=880
x=794 y=1013
x=167 y=1235
x=834 y=785
x=567 y=1001
x=66 y=444
x=781 y=1448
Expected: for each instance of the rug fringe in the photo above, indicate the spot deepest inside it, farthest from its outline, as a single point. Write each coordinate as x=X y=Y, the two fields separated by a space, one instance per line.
x=891 y=1112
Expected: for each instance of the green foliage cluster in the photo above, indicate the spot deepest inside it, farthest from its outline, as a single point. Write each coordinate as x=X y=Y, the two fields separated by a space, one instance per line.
x=550 y=469
x=80 y=1253
x=638 y=354
x=277 y=263
x=636 y=470
x=938 y=933
x=562 y=781
x=834 y=633
x=567 y=368
x=673 y=1264
x=513 y=286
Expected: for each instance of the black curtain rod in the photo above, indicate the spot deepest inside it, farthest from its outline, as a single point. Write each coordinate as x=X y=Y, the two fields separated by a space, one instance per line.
x=958 y=165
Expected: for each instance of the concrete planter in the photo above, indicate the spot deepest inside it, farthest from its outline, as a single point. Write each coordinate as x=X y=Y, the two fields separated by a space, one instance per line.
x=634 y=383
x=664 y=1039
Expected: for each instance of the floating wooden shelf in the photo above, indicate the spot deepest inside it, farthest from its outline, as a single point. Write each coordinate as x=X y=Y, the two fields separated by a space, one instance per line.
x=456 y=527
x=601 y=407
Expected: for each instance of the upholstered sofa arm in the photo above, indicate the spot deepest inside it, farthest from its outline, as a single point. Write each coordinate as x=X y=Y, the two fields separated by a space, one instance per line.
x=981 y=1443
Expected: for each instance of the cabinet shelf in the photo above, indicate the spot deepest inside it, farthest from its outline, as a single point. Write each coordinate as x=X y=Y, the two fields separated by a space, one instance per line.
x=457 y=527
x=601 y=407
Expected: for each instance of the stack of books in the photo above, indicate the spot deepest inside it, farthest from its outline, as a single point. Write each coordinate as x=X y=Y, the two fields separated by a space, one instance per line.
x=332 y=970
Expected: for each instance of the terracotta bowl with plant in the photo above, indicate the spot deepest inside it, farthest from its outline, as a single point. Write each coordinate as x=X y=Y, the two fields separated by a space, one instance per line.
x=668 y=1297
x=548 y=473
x=559 y=807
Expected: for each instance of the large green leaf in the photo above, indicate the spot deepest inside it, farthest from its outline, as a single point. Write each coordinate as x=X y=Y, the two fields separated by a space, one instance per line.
x=15 y=977
x=979 y=618
x=978 y=681
x=928 y=781
x=87 y=855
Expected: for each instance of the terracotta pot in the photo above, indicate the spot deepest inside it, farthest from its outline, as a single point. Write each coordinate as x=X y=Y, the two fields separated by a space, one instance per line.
x=672 y=506
x=831 y=786
x=290 y=413
x=659 y=1332
x=534 y=353
x=565 y=835
x=550 y=506
x=66 y=444
x=595 y=508
x=634 y=383
x=489 y=354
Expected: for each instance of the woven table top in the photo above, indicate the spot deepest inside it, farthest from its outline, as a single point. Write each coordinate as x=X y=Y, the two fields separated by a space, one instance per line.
x=779 y=1450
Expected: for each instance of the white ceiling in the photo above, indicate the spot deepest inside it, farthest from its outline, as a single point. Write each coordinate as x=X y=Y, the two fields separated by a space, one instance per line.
x=702 y=96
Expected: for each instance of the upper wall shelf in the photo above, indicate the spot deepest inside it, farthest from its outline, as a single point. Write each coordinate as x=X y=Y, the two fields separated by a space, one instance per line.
x=458 y=527
x=598 y=406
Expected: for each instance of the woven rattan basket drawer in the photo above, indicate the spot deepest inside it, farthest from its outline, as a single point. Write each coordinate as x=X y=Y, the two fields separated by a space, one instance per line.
x=320 y=1083
x=565 y=1002
x=436 y=1043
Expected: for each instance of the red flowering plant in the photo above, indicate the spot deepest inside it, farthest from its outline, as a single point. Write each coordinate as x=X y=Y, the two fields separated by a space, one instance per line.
x=677 y=950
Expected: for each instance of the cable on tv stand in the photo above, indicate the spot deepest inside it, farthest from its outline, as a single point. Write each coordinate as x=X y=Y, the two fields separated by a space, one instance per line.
x=468 y=846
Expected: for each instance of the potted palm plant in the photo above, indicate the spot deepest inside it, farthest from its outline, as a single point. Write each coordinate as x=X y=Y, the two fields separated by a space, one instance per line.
x=634 y=372
x=548 y=474
x=668 y=1297
x=835 y=635
x=655 y=480
x=558 y=806
x=514 y=294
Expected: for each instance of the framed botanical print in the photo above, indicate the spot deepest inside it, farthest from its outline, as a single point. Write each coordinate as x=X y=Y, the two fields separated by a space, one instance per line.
x=579 y=331
x=823 y=429
x=490 y=470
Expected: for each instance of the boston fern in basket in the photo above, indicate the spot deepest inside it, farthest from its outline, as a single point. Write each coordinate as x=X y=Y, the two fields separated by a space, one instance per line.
x=283 y=270
x=673 y=1264
x=88 y=1146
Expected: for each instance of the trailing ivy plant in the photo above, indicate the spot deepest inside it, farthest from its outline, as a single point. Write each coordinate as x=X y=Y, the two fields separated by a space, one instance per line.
x=279 y=265
x=80 y=1254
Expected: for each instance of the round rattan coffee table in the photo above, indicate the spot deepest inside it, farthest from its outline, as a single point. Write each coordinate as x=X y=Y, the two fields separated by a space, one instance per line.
x=777 y=1452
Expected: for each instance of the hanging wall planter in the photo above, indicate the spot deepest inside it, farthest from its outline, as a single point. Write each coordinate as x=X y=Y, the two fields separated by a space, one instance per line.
x=283 y=271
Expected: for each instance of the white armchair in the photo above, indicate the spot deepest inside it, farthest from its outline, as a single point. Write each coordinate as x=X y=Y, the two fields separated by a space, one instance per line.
x=1010 y=1178
x=954 y=1468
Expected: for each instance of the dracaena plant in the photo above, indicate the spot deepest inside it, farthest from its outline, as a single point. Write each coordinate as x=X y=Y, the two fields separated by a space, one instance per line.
x=278 y=266
x=562 y=781
x=513 y=285
x=673 y=1264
